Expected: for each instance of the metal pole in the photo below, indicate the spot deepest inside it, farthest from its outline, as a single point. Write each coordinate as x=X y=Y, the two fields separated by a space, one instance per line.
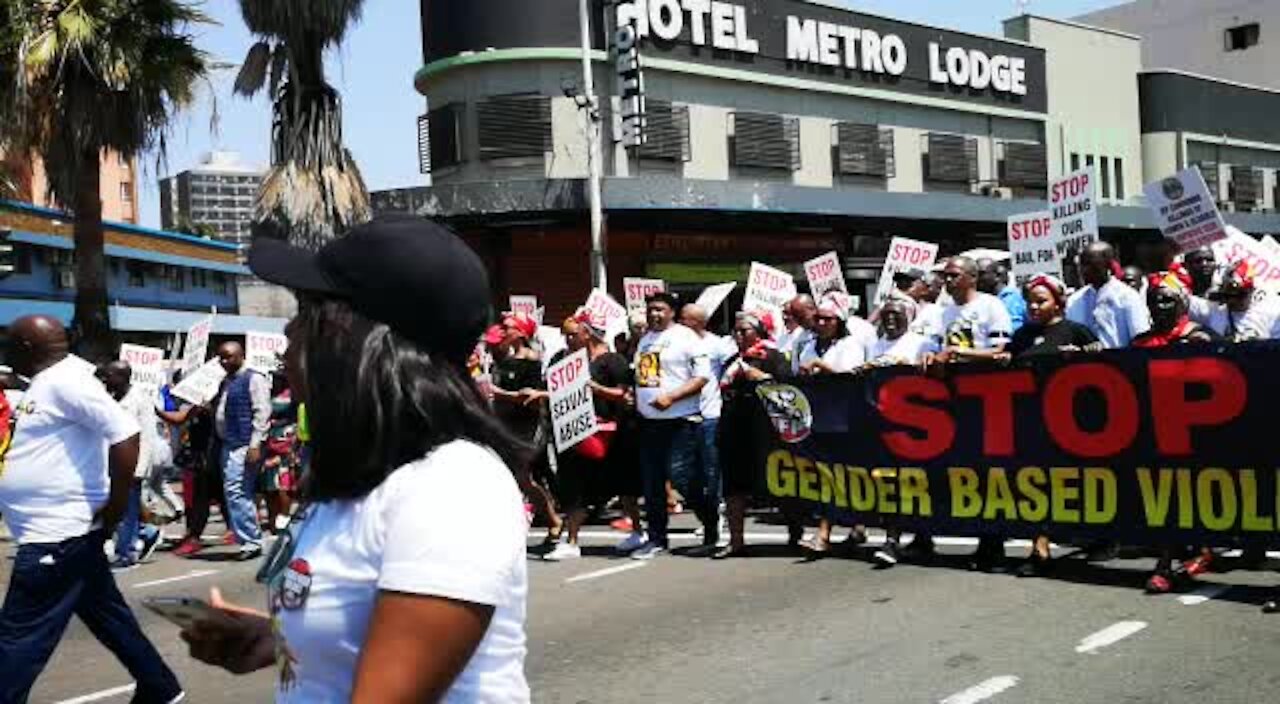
x=599 y=267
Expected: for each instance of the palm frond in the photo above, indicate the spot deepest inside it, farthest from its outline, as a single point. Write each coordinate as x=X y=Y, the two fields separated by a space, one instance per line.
x=253 y=72
x=279 y=64
x=324 y=21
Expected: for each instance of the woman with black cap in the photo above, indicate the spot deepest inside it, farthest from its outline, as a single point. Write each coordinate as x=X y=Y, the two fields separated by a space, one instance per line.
x=372 y=597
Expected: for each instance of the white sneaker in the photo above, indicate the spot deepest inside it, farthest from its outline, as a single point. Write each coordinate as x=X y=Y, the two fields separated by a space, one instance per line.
x=563 y=551
x=648 y=552
x=633 y=542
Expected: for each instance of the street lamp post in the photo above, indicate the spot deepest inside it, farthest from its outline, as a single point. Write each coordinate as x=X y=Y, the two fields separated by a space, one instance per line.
x=599 y=265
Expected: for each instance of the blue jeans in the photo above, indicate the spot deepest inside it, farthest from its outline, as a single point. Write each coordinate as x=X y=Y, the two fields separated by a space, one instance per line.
x=705 y=481
x=668 y=450
x=239 y=484
x=52 y=581
x=131 y=526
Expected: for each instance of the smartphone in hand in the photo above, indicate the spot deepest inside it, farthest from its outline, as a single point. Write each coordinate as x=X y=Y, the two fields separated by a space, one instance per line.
x=183 y=612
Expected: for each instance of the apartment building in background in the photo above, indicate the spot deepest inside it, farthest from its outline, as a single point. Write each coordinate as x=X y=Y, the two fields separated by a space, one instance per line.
x=119 y=185
x=218 y=193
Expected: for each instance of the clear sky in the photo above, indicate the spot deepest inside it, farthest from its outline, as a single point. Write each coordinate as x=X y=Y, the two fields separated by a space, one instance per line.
x=374 y=72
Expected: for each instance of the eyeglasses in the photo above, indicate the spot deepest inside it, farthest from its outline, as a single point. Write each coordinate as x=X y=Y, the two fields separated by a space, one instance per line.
x=949 y=275
x=743 y=331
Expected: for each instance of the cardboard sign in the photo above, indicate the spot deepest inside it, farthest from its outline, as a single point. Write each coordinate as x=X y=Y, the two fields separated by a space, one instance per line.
x=904 y=254
x=1263 y=262
x=768 y=288
x=825 y=274
x=602 y=306
x=844 y=300
x=524 y=304
x=712 y=297
x=196 y=350
x=147 y=365
x=1271 y=244
x=264 y=352
x=636 y=290
x=1185 y=211
x=573 y=410
x=1033 y=247
x=1073 y=207
x=540 y=314
x=201 y=386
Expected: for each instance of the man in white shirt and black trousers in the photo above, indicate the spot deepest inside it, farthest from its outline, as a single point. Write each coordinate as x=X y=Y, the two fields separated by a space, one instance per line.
x=64 y=486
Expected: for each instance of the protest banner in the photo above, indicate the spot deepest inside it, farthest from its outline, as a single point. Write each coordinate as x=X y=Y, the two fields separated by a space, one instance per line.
x=825 y=274
x=713 y=297
x=904 y=254
x=1264 y=264
x=1073 y=208
x=1185 y=211
x=523 y=304
x=1033 y=246
x=573 y=410
x=264 y=352
x=147 y=365
x=196 y=350
x=200 y=386
x=1141 y=447
x=768 y=287
x=602 y=306
x=636 y=290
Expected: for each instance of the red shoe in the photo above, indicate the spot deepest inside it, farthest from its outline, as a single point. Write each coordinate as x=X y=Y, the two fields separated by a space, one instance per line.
x=1159 y=583
x=229 y=538
x=1200 y=565
x=622 y=525
x=188 y=547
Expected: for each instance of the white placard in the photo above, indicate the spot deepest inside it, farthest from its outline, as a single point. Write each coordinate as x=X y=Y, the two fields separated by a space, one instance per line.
x=573 y=411
x=1073 y=207
x=713 y=297
x=196 y=350
x=201 y=386
x=524 y=304
x=1263 y=263
x=264 y=352
x=825 y=274
x=843 y=300
x=147 y=365
x=1033 y=246
x=904 y=254
x=1270 y=243
x=540 y=314
x=602 y=306
x=636 y=290
x=768 y=287
x=1185 y=211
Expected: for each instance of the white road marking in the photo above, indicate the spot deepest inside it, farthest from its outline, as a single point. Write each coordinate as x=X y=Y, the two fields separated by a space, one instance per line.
x=1110 y=635
x=984 y=691
x=193 y=574
x=605 y=572
x=1203 y=594
x=99 y=696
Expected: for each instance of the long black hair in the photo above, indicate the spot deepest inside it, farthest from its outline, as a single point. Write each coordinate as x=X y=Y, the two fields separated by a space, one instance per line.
x=376 y=401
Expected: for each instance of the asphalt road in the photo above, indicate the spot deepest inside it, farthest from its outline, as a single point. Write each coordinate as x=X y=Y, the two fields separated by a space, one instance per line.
x=774 y=628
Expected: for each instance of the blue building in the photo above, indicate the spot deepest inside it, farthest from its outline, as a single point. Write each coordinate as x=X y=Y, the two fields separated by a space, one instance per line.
x=158 y=282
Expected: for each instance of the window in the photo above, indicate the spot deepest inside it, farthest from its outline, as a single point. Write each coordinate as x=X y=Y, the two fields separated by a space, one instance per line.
x=126 y=192
x=137 y=274
x=864 y=150
x=1104 y=165
x=951 y=159
x=513 y=126
x=1088 y=160
x=199 y=278
x=1119 y=179
x=176 y=278
x=220 y=283
x=1075 y=162
x=666 y=132
x=1243 y=37
x=765 y=141
x=22 y=259
x=1024 y=165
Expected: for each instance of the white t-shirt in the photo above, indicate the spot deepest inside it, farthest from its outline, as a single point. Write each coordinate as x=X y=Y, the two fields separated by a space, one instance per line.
x=928 y=321
x=719 y=350
x=55 y=474
x=404 y=537
x=980 y=324
x=908 y=349
x=665 y=361
x=845 y=355
x=1260 y=322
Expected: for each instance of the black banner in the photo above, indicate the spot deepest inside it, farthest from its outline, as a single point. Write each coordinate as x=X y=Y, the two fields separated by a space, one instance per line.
x=1146 y=447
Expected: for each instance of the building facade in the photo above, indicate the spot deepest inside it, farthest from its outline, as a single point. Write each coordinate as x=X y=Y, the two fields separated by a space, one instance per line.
x=118 y=190
x=218 y=193
x=774 y=130
x=158 y=283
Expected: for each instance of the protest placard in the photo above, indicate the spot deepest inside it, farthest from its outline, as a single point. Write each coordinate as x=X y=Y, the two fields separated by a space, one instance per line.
x=904 y=254
x=601 y=306
x=523 y=304
x=200 y=386
x=1033 y=246
x=147 y=365
x=768 y=287
x=636 y=290
x=712 y=297
x=1073 y=208
x=1264 y=264
x=264 y=352
x=573 y=411
x=841 y=299
x=196 y=350
x=1270 y=243
x=1185 y=211
x=825 y=274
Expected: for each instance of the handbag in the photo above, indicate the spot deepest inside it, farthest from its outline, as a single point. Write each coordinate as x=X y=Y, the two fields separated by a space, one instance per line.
x=596 y=447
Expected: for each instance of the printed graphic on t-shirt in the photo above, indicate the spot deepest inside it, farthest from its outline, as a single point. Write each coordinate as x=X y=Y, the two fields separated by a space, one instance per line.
x=649 y=370
x=962 y=334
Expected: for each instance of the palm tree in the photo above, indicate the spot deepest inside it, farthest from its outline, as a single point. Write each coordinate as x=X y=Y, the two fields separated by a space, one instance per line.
x=314 y=191
x=80 y=78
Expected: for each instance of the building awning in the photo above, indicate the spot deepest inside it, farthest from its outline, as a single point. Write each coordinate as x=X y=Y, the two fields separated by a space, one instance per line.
x=132 y=319
x=112 y=250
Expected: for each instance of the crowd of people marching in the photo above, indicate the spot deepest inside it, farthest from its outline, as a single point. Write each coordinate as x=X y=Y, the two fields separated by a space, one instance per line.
x=675 y=401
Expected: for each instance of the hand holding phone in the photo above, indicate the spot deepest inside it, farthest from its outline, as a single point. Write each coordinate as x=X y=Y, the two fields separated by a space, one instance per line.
x=183 y=612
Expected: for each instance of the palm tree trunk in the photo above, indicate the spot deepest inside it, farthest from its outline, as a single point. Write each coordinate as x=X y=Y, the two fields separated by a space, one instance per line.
x=92 y=327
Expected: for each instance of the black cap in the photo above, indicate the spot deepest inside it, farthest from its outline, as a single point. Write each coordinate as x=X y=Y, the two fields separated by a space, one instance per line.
x=411 y=274
x=909 y=275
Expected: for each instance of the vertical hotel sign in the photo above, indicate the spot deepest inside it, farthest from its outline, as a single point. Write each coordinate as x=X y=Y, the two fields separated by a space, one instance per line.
x=626 y=45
